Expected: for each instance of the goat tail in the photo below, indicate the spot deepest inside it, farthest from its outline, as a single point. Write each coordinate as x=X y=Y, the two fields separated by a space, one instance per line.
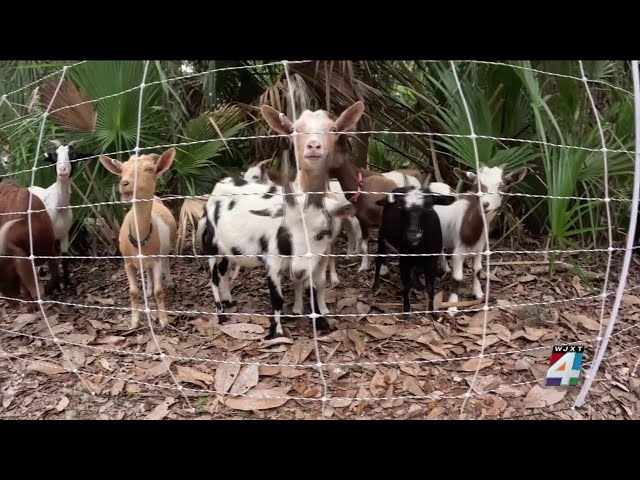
x=4 y=234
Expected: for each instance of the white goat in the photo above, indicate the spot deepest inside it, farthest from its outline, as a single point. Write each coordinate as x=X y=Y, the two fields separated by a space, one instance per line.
x=57 y=197
x=462 y=223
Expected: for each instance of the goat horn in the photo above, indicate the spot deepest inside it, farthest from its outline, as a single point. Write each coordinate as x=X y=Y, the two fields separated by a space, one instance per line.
x=73 y=142
x=286 y=184
x=427 y=181
x=57 y=143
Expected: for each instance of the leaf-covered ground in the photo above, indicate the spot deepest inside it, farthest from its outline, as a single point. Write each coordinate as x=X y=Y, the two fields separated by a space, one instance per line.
x=374 y=365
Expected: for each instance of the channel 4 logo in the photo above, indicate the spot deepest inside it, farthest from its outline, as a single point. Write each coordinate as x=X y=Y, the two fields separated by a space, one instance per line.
x=565 y=365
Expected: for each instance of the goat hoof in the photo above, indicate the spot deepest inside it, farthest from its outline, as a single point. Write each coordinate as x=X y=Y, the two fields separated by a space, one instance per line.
x=273 y=333
x=228 y=303
x=335 y=281
x=322 y=325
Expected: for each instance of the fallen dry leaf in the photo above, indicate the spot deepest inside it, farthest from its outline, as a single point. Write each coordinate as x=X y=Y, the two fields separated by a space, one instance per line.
x=46 y=368
x=243 y=331
x=191 y=375
x=81 y=338
x=411 y=385
x=435 y=413
x=300 y=350
x=345 y=302
x=379 y=332
x=268 y=371
x=104 y=301
x=498 y=406
x=110 y=340
x=340 y=402
x=539 y=397
x=62 y=404
x=526 y=278
x=363 y=308
x=377 y=384
x=587 y=322
x=226 y=374
x=247 y=379
x=534 y=334
x=472 y=364
x=575 y=282
x=22 y=320
x=105 y=364
x=276 y=341
x=259 y=399
x=357 y=340
x=630 y=299
x=117 y=387
x=161 y=410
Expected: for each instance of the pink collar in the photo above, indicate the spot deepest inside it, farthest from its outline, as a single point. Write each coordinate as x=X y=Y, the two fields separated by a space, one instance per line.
x=356 y=196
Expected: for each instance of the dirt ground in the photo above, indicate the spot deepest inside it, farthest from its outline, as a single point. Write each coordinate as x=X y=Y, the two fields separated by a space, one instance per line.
x=375 y=365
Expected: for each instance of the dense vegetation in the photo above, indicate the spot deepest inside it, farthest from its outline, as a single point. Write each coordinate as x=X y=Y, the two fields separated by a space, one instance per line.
x=212 y=103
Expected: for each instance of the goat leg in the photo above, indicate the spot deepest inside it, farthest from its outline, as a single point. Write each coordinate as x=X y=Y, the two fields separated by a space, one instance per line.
x=321 y=322
x=382 y=250
x=430 y=266
x=54 y=283
x=215 y=287
x=65 y=270
x=277 y=302
x=64 y=252
x=405 y=275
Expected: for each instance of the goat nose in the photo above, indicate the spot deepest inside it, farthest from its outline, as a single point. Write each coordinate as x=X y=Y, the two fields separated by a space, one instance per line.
x=485 y=205
x=124 y=183
x=313 y=145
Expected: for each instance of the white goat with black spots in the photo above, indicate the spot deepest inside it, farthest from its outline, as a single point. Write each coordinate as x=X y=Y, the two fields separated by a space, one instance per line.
x=257 y=222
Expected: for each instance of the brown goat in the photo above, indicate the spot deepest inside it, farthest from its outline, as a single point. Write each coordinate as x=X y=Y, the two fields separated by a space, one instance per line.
x=17 y=278
x=149 y=214
x=315 y=140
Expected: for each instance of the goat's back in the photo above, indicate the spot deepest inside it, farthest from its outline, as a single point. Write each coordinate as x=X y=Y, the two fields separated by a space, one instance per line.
x=15 y=199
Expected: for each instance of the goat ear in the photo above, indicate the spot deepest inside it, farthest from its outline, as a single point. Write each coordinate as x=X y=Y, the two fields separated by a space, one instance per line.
x=111 y=164
x=443 y=199
x=467 y=177
x=515 y=177
x=350 y=117
x=57 y=143
x=278 y=121
x=388 y=198
x=164 y=162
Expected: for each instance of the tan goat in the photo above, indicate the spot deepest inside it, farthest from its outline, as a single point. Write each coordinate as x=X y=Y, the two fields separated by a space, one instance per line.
x=156 y=226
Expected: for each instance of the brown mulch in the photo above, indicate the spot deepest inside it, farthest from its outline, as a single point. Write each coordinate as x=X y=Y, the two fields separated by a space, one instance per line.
x=375 y=366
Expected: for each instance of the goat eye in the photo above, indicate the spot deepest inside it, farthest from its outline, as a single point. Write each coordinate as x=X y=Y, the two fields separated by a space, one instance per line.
x=334 y=129
x=150 y=170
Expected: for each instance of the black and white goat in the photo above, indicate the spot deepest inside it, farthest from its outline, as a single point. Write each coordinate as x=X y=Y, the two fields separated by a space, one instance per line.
x=57 y=197
x=256 y=222
x=411 y=226
x=462 y=224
